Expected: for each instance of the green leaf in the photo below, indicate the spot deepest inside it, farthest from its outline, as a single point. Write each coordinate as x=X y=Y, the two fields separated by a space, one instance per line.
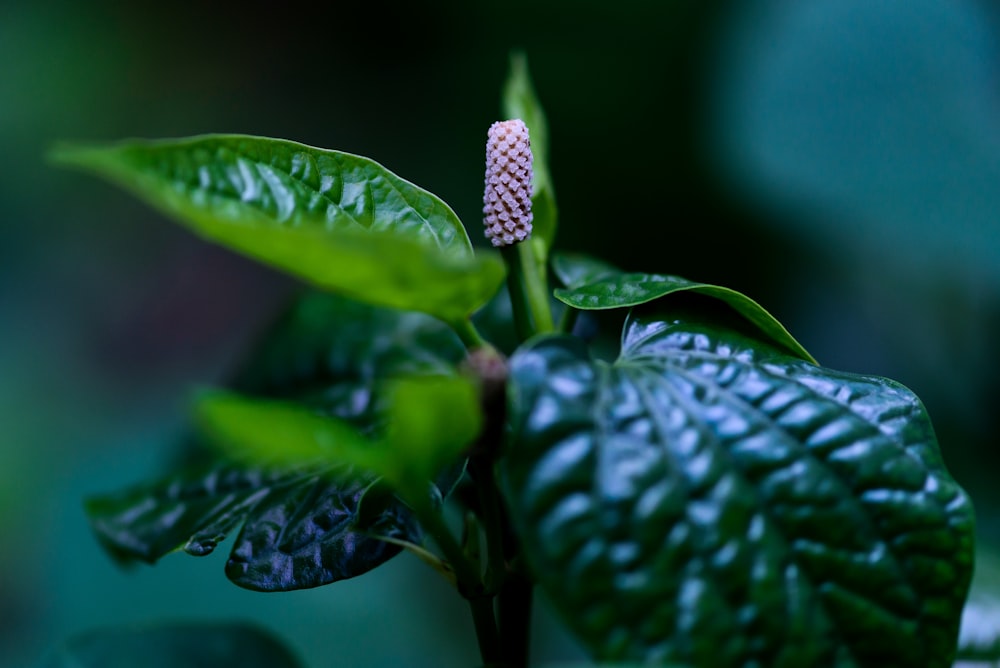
x=266 y=432
x=227 y=645
x=595 y=286
x=300 y=528
x=431 y=420
x=240 y=179
x=521 y=101
x=712 y=500
x=305 y=528
x=339 y=221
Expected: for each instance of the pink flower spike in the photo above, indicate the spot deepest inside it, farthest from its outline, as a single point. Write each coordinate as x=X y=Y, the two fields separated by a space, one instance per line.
x=507 y=198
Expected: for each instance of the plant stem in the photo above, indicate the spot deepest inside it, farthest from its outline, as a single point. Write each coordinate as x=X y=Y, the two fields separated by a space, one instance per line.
x=518 y=299
x=536 y=283
x=470 y=583
x=514 y=605
x=481 y=470
x=568 y=319
x=467 y=331
x=529 y=295
x=484 y=619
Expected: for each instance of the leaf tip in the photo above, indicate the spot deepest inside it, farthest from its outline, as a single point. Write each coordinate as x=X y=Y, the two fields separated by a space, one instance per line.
x=85 y=157
x=66 y=154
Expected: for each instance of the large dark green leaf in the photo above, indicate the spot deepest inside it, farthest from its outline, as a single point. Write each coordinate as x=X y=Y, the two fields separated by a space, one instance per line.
x=712 y=500
x=340 y=221
x=301 y=528
x=174 y=646
x=594 y=285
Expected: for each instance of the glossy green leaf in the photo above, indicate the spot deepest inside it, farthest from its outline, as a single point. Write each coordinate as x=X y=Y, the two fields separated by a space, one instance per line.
x=521 y=101
x=376 y=268
x=339 y=221
x=240 y=179
x=300 y=528
x=595 y=287
x=712 y=500
x=222 y=645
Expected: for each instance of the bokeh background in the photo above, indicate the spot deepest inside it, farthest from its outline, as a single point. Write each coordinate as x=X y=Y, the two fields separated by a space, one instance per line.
x=838 y=160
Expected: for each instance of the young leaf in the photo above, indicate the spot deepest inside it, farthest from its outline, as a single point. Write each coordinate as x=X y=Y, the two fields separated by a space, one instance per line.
x=521 y=101
x=339 y=221
x=711 y=500
x=593 y=285
x=302 y=528
x=431 y=420
x=229 y=645
x=266 y=432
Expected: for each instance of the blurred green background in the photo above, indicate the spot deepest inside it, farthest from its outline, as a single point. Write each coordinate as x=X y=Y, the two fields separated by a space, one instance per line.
x=837 y=160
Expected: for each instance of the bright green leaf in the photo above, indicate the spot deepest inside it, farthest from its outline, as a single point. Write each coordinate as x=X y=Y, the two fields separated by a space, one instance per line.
x=594 y=288
x=339 y=221
x=712 y=500
x=228 y=645
x=240 y=179
x=280 y=433
x=379 y=269
x=431 y=420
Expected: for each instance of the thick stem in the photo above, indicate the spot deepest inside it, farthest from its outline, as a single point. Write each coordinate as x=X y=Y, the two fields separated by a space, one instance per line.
x=518 y=297
x=536 y=284
x=484 y=618
x=481 y=470
x=528 y=289
x=470 y=583
x=514 y=605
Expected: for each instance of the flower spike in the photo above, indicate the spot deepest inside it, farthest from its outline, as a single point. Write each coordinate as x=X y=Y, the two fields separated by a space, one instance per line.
x=507 y=201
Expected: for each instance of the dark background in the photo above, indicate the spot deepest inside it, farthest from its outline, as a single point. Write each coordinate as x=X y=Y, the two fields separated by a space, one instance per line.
x=837 y=160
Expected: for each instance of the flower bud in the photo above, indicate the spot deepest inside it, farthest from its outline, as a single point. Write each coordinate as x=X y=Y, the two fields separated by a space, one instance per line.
x=507 y=200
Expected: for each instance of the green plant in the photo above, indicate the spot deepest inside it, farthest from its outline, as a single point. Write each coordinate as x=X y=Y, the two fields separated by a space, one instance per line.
x=711 y=496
